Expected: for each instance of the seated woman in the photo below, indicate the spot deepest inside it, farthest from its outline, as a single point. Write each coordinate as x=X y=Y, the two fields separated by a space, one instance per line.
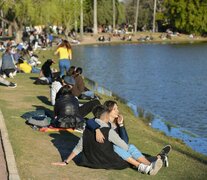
x=79 y=89
x=8 y=66
x=102 y=155
x=24 y=67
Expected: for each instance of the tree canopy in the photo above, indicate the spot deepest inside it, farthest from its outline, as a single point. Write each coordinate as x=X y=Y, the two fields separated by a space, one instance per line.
x=186 y=16
x=180 y=15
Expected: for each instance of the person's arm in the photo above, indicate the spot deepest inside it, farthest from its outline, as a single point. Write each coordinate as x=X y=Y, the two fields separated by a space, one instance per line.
x=123 y=134
x=94 y=126
x=115 y=139
x=70 y=54
x=121 y=129
x=78 y=148
x=56 y=52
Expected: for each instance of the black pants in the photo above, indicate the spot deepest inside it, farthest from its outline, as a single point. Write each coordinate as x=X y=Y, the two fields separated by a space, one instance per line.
x=86 y=108
x=8 y=71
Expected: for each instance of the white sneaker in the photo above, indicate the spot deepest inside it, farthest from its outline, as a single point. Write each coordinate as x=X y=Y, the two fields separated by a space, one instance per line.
x=4 y=76
x=11 y=75
x=156 y=166
x=14 y=73
x=145 y=169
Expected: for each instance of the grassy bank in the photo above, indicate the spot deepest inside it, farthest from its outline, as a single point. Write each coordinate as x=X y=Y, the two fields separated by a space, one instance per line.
x=35 y=151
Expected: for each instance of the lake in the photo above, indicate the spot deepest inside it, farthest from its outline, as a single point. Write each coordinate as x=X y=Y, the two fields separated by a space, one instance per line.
x=169 y=80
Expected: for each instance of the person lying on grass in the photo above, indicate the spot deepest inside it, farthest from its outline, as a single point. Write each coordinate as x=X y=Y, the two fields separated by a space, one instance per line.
x=102 y=155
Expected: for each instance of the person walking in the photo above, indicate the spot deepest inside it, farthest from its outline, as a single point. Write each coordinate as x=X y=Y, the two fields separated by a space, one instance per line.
x=65 y=55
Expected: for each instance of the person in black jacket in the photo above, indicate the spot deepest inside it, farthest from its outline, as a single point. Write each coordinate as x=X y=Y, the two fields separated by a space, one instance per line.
x=87 y=107
x=66 y=110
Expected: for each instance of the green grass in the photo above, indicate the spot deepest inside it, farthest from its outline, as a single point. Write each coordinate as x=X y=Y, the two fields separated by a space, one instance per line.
x=35 y=151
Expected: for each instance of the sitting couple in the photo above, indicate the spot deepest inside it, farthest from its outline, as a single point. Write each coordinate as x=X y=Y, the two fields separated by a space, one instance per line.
x=113 y=152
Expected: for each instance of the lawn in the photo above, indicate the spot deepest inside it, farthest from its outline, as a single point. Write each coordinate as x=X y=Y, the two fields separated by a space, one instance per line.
x=35 y=151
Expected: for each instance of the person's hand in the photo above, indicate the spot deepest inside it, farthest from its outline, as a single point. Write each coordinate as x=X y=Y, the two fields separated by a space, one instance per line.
x=99 y=136
x=59 y=164
x=120 y=119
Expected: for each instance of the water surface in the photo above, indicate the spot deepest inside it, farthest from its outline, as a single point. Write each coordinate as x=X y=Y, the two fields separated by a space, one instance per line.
x=168 y=80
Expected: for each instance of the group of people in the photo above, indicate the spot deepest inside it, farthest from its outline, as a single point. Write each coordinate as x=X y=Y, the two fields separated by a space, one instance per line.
x=104 y=143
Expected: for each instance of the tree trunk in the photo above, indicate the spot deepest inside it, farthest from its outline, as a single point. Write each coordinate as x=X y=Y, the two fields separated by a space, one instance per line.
x=136 y=17
x=114 y=15
x=95 y=24
x=18 y=32
x=10 y=31
x=154 y=16
x=81 y=19
x=2 y=23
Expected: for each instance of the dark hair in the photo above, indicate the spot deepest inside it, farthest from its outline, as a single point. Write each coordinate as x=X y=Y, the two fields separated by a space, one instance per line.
x=79 y=70
x=110 y=104
x=65 y=90
x=20 y=61
x=71 y=71
x=66 y=44
x=99 y=110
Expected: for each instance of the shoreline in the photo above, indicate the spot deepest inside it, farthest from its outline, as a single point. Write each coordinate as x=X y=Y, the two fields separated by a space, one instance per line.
x=155 y=121
x=90 y=39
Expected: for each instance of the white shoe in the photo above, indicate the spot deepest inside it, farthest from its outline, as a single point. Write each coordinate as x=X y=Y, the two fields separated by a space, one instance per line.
x=11 y=75
x=4 y=76
x=14 y=73
x=145 y=169
x=156 y=166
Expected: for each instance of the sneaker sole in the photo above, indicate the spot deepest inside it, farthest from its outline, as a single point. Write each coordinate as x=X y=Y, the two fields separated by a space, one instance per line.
x=166 y=150
x=157 y=167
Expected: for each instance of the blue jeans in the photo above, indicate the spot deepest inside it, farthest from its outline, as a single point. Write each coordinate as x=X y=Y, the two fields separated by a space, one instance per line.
x=64 y=65
x=35 y=70
x=132 y=152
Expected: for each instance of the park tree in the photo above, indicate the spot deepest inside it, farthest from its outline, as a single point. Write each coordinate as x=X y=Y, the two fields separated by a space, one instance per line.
x=187 y=16
x=16 y=14
x=20 y=13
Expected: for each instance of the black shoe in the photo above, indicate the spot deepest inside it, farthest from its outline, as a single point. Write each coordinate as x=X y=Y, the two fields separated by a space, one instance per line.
x=12 y=85
x=164 y=154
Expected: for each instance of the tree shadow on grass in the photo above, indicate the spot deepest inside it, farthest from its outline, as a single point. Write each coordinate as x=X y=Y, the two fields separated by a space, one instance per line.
x=44 y=99
x=65 y=142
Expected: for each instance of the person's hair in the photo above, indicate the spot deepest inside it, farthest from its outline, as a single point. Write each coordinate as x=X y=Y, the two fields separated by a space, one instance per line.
x=48 y=63
x=110 y=104
x=99 y=110
x=67 y=44
x=65 y=90
x=71 y=71
x=20 y=61
x=79 y=70
x=8 y=49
